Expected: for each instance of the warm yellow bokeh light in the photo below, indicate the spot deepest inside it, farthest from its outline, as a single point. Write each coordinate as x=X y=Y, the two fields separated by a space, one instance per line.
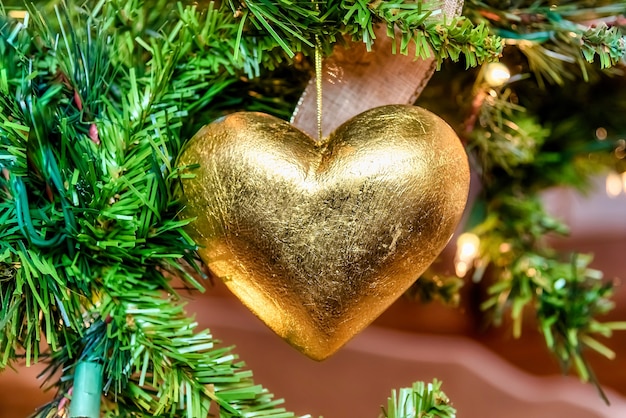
x=496 y=74
x=467 y=246
x=614 y=184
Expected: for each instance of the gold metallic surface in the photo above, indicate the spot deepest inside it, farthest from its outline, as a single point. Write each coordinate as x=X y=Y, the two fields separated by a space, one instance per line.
x=319 y=239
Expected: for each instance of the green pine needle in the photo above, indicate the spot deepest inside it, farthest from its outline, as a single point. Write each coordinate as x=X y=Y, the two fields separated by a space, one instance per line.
x=419 y=401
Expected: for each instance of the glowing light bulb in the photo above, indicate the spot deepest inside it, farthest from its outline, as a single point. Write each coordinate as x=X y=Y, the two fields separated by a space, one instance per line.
x=496 y=74
x=614 y=184
x=467 y=246
x=624 y=181
x=461 y=268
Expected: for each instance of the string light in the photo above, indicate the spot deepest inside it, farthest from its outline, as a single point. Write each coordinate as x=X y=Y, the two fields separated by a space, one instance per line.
x=615 y=184
x=496 y=74
x=467 y=246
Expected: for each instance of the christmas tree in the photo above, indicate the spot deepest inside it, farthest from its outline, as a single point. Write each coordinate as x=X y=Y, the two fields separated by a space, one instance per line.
x=98 y=99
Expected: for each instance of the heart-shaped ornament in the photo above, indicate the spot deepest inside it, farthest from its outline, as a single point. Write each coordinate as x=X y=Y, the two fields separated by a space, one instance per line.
x=318 y=239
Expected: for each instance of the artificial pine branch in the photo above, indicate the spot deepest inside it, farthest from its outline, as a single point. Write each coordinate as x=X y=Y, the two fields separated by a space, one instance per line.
x=567 y=37
x=419 y=401
x=102 y=157
x=93 y=101
x=295 y=28
x=95 y=104
x=528 y=136
x=433 y=286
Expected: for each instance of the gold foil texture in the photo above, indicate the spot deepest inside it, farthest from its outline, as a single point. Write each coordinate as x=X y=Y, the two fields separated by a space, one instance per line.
x=318 y=239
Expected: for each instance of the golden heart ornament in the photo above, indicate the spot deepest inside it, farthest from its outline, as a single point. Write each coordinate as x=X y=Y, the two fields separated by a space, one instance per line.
x=318 y=239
